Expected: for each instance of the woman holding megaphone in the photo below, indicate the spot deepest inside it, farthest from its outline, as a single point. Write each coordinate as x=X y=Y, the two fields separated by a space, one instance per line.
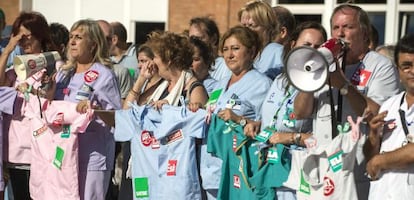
x=31 y=32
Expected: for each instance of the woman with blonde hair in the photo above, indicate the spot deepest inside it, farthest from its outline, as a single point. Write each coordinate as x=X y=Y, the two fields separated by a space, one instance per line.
x=260 y=17
x=87 y=75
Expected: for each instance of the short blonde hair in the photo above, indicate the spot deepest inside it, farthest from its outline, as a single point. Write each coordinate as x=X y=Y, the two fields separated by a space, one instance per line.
x=263 y=14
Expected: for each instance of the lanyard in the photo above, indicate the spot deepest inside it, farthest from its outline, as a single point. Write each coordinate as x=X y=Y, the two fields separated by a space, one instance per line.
x=282 y=103
x=402 y=117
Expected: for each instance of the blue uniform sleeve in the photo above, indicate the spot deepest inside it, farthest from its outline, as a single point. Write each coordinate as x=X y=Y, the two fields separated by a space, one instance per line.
x=269 y=62
x=197 y=123
x=126 y=125
x=7 y=97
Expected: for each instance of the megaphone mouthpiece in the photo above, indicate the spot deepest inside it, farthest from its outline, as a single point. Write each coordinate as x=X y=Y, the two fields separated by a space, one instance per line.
x=312 y=66
x=307 y=68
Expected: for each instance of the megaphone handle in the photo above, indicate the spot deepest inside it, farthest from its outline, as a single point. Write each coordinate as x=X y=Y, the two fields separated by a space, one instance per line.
x=340 y=100
x=334 y=121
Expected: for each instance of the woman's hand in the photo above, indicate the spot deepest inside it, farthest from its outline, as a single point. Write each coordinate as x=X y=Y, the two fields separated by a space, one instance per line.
x=194 y=106
x=227 y=114
x=281 y=138
x=252 y=128
x=23 y=87
x=50 y=82
x=148 y=69
x=158 y=104
x=83 y=106
x=14 y=40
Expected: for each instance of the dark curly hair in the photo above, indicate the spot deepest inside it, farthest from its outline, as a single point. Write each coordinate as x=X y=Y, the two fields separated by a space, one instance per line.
x=171 y=47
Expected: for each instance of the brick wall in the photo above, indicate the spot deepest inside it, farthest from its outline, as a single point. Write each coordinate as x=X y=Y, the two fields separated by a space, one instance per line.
x=11 y=10
x=224 y=12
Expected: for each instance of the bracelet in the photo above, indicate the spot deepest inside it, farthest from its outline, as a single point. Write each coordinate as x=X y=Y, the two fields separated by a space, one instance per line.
x=134 y=92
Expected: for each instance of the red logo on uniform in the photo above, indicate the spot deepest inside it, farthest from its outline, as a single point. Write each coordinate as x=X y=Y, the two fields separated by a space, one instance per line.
x=66 y=91
x=146 y=138
x=31 y=63
x=172 y=168
x=175 y=136
x=91 y=76
x=328 y=186
x=361 y=77
x=236 y=181
x=58 y=120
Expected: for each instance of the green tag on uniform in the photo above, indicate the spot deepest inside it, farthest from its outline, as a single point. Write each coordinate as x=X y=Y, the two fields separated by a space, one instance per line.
x=131 y=72
x=141 y=187
x=273 y=155
x=65 y=131
x=214 y=96
x=335 y=161
x=57 y=162
x=304 y=186
x=343 y=129
x=264 y=135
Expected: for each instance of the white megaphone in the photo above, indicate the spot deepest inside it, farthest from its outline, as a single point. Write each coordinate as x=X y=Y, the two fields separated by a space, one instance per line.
x=307 y=68
x=27 y=65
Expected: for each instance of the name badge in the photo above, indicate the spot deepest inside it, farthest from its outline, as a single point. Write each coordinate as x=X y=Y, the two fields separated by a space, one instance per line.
x=264 y=135
x=65 y=131
x=84 y=92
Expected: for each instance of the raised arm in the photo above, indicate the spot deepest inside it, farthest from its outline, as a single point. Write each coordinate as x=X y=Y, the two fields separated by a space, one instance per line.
x=5 y=55
x=303 y=105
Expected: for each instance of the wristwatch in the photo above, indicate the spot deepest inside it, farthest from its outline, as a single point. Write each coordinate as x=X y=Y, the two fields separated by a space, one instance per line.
x=243 y=122
x=344 y=89
x=298 y=136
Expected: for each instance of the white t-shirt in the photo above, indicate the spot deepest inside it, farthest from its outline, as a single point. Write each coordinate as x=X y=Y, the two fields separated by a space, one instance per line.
x=395 y=184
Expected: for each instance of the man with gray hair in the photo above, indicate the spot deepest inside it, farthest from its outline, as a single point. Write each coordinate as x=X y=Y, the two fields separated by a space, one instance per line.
x=363 y=81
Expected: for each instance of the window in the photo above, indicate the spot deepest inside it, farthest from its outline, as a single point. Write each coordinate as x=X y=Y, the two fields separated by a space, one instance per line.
x=406 y=23
x=303 y=18
x=301 y=1
x=378 y=21
x=406 y=1
x=364 y=1
x=142 y=29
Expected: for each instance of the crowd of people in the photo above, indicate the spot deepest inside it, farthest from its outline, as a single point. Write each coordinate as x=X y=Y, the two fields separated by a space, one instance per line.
x=204 y=115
